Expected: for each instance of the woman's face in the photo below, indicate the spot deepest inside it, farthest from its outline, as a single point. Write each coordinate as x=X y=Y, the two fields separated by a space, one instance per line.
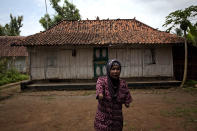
x=115 y=72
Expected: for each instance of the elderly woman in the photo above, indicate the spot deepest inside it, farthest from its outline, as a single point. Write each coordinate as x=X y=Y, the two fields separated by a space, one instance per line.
x=112 y=93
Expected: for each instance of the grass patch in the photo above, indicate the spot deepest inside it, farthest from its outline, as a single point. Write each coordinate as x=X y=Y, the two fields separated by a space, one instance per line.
x=190 y=83
x=156 y=128
x=87 y=93
x=190 y=90
x=50 y=97
x=5 y=97
x=132 y=128
x=189 y=87
x=169 y=100
x=180 y=112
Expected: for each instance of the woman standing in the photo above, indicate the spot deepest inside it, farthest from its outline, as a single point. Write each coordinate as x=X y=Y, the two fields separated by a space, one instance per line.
x=111 y=93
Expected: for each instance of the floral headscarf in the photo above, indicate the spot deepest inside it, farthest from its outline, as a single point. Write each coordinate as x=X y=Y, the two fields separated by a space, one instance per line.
x=113 y=84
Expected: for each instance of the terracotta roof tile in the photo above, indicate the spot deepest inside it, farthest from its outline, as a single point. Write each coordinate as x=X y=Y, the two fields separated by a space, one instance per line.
x=7 y=50
x=120 y=31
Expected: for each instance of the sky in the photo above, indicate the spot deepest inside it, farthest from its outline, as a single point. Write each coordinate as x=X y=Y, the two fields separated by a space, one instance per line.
x=150 y=12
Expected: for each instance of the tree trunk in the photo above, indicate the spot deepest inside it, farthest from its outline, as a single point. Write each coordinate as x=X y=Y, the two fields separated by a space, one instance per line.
x=185 y=64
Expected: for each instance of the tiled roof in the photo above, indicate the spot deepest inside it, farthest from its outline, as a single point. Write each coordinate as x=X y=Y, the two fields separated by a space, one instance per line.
x=7 y=50
x=100 y=32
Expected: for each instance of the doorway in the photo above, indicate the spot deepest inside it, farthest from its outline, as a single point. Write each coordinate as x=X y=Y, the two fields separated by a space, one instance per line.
x=100 y=61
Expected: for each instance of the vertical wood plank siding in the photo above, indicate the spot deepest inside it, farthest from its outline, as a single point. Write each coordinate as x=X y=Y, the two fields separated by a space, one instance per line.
x=17 y=62
x=66 y=66
x=163 y=66
x=131 y=60
x=37 y=64
x=134 y=65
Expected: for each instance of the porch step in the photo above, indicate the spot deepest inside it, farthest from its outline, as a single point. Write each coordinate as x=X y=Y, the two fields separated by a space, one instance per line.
x=92 y=85
x=154 y=84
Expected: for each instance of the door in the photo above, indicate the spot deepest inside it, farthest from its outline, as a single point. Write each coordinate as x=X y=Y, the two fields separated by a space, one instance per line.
x=51 y=67
x=100 y=61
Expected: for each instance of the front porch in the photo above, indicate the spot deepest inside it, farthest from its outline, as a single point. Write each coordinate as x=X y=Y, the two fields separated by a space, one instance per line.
x=90 y=84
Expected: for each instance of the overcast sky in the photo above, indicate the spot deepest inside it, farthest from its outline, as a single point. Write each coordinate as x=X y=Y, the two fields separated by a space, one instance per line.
x=150 y=12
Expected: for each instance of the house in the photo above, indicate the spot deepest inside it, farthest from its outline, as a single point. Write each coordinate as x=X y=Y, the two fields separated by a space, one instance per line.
x=17 y=56
x=178 y=62
x=81 y=49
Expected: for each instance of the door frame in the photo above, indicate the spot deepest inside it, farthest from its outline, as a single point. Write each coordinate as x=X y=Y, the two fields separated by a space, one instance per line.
x=100 y=61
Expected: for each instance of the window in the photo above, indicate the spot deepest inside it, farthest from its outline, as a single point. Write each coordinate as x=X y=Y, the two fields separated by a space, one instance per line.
x=149 y=56
x=52 y=61
x=153 y=56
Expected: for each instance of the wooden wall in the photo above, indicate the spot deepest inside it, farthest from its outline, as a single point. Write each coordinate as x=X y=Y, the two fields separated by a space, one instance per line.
x=48 y=63
x=76 y=67
x=134 y=62
x=178 y=58
x=18 y=62
x=60 y=64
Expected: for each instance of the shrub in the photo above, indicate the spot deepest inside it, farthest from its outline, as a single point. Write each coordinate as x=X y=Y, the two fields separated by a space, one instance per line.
x=190 y=83
x=12 y=75
x=3 y=65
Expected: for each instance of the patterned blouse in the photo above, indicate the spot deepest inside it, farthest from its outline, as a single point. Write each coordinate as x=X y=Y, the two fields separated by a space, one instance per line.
x=109 y=112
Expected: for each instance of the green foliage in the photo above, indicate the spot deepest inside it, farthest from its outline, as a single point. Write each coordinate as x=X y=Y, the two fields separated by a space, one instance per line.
x=67 y=12
x=178 y=32
x=44 y=23
x=13 y=28
x=9 y=75
x=192 y=34
x=3 y=63
x=180 y=17
x=190 y=86
x=190 y=83
x=2 y=33
x=12 y=76
x=186 y=112
x=184 y=24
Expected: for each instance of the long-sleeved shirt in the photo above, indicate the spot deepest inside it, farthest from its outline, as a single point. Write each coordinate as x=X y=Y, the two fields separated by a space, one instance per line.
x=109 y=112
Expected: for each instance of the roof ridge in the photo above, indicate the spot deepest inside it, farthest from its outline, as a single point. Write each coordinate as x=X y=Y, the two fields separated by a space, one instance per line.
x=7 y=36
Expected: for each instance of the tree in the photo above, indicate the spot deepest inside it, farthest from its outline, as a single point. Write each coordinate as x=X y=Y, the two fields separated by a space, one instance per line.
x=2 y=31
x=183 y=19
x=13 y=28
x=67 y=12
x=192 y=34
x=178 y=32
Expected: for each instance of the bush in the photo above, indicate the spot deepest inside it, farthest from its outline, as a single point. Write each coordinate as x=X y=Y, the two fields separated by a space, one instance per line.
x=3 y=65
x=190 y=83
x=11 y=75
x=4 y=81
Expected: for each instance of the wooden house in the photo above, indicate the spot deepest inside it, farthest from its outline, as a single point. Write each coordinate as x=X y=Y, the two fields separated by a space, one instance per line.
x=81 y=49
x=178 y=62
x=17 y=56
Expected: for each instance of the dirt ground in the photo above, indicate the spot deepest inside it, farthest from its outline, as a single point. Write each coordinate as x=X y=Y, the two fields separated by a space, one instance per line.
x=152 y=110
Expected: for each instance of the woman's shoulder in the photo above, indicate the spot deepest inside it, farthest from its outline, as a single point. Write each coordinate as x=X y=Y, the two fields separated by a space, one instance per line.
x=102 y=79
x=122 y=81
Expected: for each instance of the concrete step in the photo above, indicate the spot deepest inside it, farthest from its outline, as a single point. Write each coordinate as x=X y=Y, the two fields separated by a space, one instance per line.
x=92 y=85
x=154 y=84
